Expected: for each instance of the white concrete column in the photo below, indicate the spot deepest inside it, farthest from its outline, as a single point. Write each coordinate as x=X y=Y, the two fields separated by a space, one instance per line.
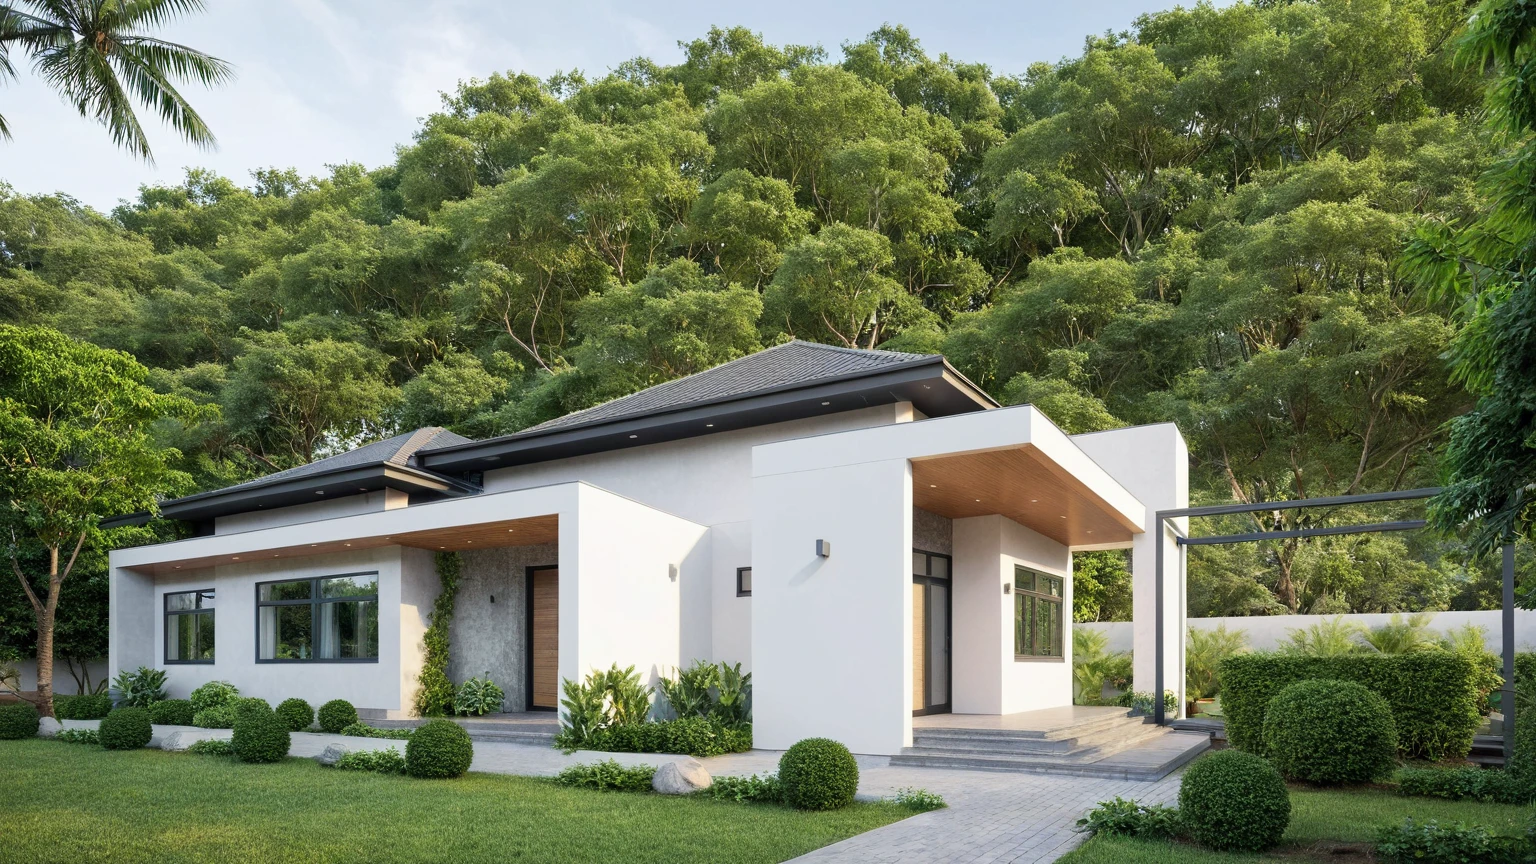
x=131 y=638
x=1152 y=463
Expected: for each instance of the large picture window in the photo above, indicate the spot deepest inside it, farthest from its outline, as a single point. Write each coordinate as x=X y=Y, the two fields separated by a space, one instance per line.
x=189 y=626
x=332 y=619
x=1037 y=622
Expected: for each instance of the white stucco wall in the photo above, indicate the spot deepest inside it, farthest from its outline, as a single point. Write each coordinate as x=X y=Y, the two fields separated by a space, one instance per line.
x=1268 y=632
x=730 y=616
x=406 y=576
x=625 y=605
x=988 y=679
x=1152 y=462
x=831 y=637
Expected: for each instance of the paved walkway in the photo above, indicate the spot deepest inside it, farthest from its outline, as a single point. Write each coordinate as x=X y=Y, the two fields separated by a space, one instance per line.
x=991 y=817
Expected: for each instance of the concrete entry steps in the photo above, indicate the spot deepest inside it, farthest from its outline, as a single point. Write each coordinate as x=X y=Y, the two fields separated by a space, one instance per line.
x=1086 y=741
x=536 y=728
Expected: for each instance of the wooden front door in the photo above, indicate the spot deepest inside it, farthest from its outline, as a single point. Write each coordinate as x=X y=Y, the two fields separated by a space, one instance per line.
x=544 y=638
x=930 y=633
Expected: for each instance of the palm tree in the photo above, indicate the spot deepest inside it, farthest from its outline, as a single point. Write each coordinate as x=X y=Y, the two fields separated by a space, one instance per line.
x=96 y=55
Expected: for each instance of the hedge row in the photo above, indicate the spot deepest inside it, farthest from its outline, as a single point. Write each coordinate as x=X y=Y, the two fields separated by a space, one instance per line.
x=1433 y=695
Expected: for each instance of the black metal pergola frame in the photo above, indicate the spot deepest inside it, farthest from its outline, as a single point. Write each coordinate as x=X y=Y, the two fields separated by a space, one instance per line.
x=1159 y=711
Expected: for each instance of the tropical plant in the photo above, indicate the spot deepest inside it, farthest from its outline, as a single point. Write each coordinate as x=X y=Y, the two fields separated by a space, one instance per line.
x=1330 y=637
x=1094 y=665
x=100 y=58
x=140 y=688
x=478 y=696
x=688 y=692
x=605 y=700
x=1202 y=660
x=1121 y=818
x=733 y=696
x=1401 y=635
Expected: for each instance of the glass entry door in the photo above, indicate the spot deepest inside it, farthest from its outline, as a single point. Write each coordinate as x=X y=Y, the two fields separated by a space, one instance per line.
x=930 y=633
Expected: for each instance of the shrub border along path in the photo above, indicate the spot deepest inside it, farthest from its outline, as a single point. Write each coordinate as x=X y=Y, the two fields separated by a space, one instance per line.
x=993 y=816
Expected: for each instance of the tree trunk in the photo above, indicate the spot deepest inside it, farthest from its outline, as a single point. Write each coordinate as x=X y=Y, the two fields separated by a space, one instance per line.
x=45 y=658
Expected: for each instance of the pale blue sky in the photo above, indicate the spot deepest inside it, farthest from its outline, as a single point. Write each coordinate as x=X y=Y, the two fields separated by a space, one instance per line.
x=327 y=81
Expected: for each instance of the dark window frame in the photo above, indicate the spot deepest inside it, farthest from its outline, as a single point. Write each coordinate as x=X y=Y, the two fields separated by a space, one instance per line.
x=739 y=591
x=1059 y=624
x=167 y=612
x=314 y=601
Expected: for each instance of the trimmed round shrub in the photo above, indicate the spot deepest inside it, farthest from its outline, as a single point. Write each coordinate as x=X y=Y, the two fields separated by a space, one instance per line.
x=251 y=703
x=337 y=715
x=217 y=717
x=439 y=748
x=18 y=721
x=259 y=736
x=1330 y=732
x=126 y=729
x=1234 y=801
x=214 y=694
x=172 y=712
x=818 y=774
x=296 y=714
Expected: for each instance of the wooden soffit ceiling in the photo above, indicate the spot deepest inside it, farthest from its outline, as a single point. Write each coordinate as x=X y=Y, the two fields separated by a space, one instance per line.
x=532 y=531
x=1023 y=485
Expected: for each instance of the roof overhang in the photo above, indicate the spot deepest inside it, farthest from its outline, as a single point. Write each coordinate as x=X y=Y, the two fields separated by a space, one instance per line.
x=934 y=388
x=306 y=489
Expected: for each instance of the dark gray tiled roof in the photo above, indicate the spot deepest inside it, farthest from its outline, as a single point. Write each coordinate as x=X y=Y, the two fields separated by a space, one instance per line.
x=398 y=450
x=783 y=367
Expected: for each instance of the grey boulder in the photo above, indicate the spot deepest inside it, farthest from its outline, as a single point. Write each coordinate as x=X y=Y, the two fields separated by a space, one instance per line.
x=47 y=727
x=332 y=754
x=681 y=778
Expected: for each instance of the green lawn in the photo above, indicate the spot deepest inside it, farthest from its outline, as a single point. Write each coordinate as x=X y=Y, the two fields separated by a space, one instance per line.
x=71 y=803
x=1318 y=818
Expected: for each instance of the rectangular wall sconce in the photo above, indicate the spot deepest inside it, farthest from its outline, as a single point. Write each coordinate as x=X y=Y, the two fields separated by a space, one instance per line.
x=1007 y=587
x=823 y=549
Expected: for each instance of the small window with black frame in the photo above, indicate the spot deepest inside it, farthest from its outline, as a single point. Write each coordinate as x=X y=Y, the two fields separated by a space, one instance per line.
x=189 y=626
x=1037 y=615
x=743 y=581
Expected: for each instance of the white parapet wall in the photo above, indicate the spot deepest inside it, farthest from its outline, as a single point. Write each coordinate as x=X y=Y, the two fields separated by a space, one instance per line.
x=1268 y=632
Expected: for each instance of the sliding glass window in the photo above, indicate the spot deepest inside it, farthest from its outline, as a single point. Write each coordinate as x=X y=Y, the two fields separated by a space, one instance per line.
x=333 y=619
x=189 y=627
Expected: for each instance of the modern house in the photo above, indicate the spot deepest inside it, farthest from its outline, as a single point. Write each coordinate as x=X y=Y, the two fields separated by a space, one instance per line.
x=867 y=532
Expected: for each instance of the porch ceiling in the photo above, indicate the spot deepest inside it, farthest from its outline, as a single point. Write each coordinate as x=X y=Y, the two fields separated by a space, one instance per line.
x=531 y=531
x=1023 y=484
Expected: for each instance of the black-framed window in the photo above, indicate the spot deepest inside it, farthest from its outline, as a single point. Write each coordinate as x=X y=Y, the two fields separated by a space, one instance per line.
x=743 y=581
x=189 y=626
x=329 y=619
x=1037 y=614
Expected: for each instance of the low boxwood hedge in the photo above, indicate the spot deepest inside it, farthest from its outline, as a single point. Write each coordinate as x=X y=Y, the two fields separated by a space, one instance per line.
x=18 y=720
x=93 y=706
x=126 y=729
x=172 y=712
x=1433 y=695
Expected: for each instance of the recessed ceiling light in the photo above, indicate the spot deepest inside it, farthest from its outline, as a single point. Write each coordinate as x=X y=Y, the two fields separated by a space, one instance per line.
x=1063 y=517
x=1090 y=531
x=178 y=566
x=442 y=547
x=933 y=485
x=361 y=489
x=826 y=403
x=634 y=436
x=275 y=555
x=235 y=558
x=320 y=492
x=1034 y=500
x=978 y=500
x=349 y=544
x=709 y=425
x=510 y=530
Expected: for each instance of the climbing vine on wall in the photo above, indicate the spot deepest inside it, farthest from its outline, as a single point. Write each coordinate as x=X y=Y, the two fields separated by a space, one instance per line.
x=434 y=698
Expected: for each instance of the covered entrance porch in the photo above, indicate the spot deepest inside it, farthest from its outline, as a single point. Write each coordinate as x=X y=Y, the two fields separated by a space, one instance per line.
x=922 y=570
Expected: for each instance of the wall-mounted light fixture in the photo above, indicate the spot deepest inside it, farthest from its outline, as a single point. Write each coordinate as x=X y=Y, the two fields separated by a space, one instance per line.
x=823 y=548
x=493 y=598
x=672 y=572
x=1007 y=587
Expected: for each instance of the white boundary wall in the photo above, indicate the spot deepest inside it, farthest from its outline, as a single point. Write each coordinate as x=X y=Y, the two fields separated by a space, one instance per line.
x=1269 y=631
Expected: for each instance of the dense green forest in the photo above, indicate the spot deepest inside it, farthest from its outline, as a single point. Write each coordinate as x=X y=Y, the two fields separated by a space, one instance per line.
x=1199 y=220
